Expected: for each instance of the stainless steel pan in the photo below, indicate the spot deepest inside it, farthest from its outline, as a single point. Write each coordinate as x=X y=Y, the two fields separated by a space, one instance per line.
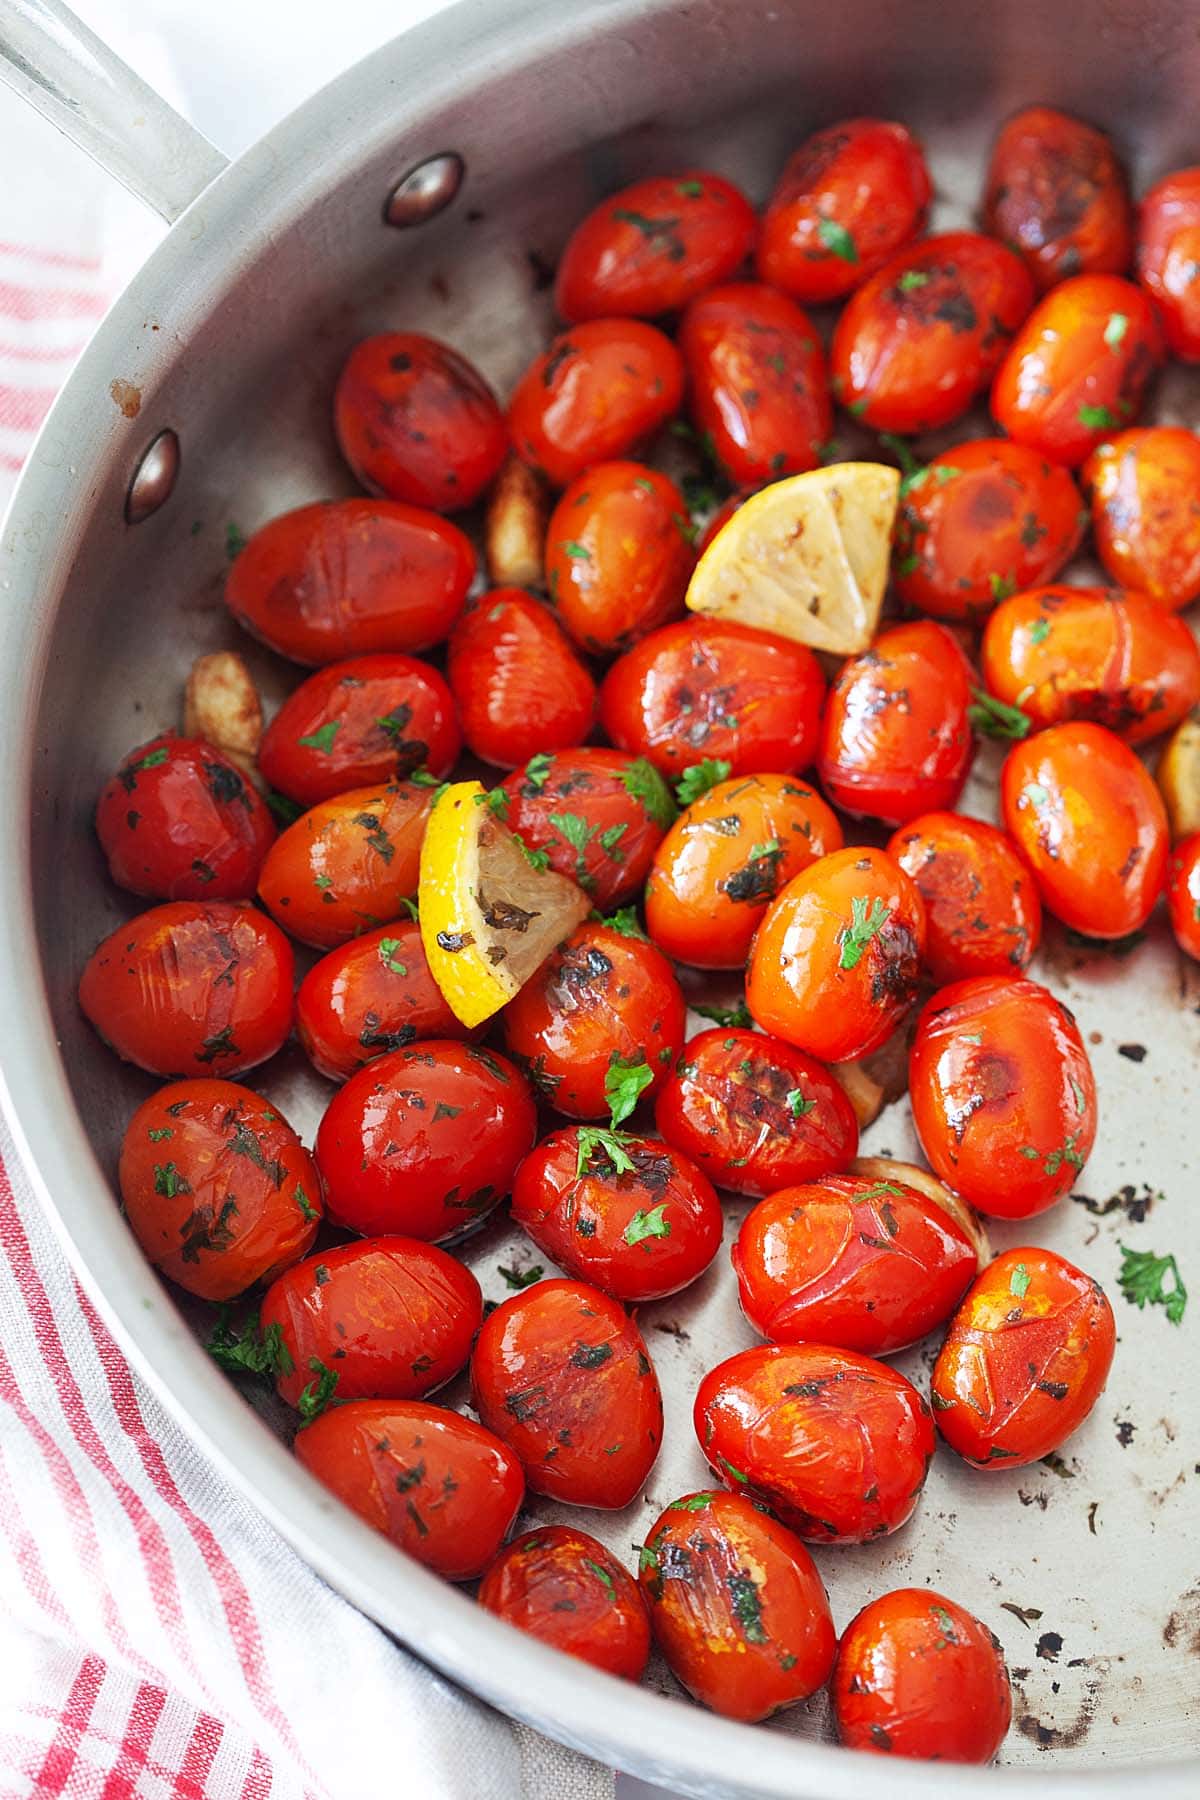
x=110 y=569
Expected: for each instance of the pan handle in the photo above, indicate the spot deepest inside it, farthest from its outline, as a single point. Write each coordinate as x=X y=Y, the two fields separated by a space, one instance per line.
x=71 y=76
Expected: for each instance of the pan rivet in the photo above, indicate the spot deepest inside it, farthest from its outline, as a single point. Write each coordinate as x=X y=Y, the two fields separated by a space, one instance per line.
x=425 y=190
x=153 y=479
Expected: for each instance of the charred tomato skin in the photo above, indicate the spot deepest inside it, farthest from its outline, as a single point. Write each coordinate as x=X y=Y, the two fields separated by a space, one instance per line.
x=1145 y=519
x=1168 y=248
x=519 y=686
x=982 y=911
x=562 y=1586
x=370 y=996
x=1183 y=894
x=617 y=808
x=618 y=555
x=1057 y=193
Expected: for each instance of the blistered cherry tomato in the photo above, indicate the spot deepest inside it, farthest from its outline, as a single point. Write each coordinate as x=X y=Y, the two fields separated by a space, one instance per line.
x=726 y=858
x=179 y=821
x=1024 y=1362
x=1003 y=1096
x=425 y=1140
x=562 y=1375
x=605 y=1009
x=192 y=987
x=618 y=555
x=443 y=1489
x=918 y=1675
x=837 y=958
x=1168 y=253
x=1145 y=516
x=520 y=688
x=1057 y=193
x=1183 y=894
x=837 y=1445
x=1090 y=823
x=982 y=912
x=417 y=422
x=598 y=392
x=370 y=996
x=393 y=1319
x=1078 y=368
x=563 y=1586
x=980 y=521
x=348 y=577
x=598 y=814
x=922 y=337
x=738 y=1608
x=847 y=199
x=706 y=689
x=218 y=1189
x=648 y=248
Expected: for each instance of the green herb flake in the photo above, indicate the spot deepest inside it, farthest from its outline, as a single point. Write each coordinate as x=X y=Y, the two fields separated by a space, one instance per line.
x=625 y=1082
x=1018 y=1281
x=1150 y=1280
x=595 y=1140
x=520 y=1278
x=733 y=1018
x=747 y=1607
x=863 y=926
x=995 y=718
x=169 y=1182
x=388 y=947
x=837 y=239
x=1097 y=418
x=305 y=1204
x=642 y=781
x=164 y=1131
x=699 y=777
x=250 y=1351
x=235 y=541
x=912 y=278
x=603 y=1577
x=316 y=1395
x=946 y=1626
x=498 y=803
x=1039 y=631
x=577 y=552
x=322 y=740
x=651 y=1224
x=1115 y=329
x=624 y=921
x=537 y=770
x=797 y=1105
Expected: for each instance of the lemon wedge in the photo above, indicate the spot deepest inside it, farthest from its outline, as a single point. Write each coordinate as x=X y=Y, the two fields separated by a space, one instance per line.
x=1179 y=778
x=489 y=916
x=806 y=557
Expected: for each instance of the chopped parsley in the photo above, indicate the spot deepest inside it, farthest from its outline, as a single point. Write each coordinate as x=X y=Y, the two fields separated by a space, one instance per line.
x=837 y=239
x=316 y=1395
x=388 y=947
x=863 y=926
x=322 y=740
x=520 y=1278
x=995 y=718
x=701 y=776
x=624 y=1084
x=1150 y=1280
x=734 y=1018
x=643 y=782
x=650 y=1224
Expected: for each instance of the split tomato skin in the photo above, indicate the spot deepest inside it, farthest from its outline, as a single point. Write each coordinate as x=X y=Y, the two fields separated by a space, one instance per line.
x=519 y=686
x=618 y=555
x=179 y=821
x=1057 y=193
x=1145 y=519
x=982 y=911
x=1168 y=248
x=1183 y=894
x=598 y=814
x=836 y=1444
x=218 y=1189
x=417 y=422
x=370 y=996
x=738 y=1607
x=443 y=1489
x=560 y=1373
x=1003 y=1095
x=564 y=1587
x=1025 y=1360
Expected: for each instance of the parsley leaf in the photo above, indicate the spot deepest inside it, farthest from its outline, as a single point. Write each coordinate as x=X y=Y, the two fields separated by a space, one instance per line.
x=537 y=770
x=701 y=776
x=498 y=803
x=734 y=1018
x=316 y=1395
x=797 y=1104
x=521 y=1278
x=624 y=1084
x=995 y=718
x=250 y=1351
x=643 y=781
x=836 y=238
x=625 y=920
x=1018 y=1282
x=862 y=928
x=610 y=1144
x=388 y=947
x=322 y=740
x=1097 y=418
x=1143 y=1280
x=1114 y=331
x=649 y=1224
x=579 y=834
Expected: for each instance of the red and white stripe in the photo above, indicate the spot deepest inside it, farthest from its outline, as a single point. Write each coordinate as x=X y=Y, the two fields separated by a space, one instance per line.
x=50 y=303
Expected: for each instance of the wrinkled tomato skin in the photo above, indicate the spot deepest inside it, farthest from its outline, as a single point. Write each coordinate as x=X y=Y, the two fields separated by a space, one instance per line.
x=564 y=1587
x=192 y=988
x=847 y=200
x=1057 y=193
x=836 y=1444
x=895 y=739
x=982 y=911
x=444 y=1490
x=599 y=391
x=425 y=1141
x=1025 y=1360
x=1116 y=658
x=178 y=821
x=923 y=336
x=625 y=806
x=416 y=422
x=618 y=555
x=865 y=1265
x=1003 y=1095
x=519 y=687
x=1090 y=823
x=373 y=718
x=649 y=248
x=985 y=519
x=758 y=388
x=1145 y=511
x=706 y=688
x=1071 y=376
x=393 y=1319
x=836 y=960
x=726 y=858
x=1183 y=894
x=754 y=1113
x=370 y=996
x=560 y=1373
x=218 y=1189
x=1168 y=248
x=346 y=578
x=601 y=998
x=917 y=1675
x=347 y=864
x=738 y=1607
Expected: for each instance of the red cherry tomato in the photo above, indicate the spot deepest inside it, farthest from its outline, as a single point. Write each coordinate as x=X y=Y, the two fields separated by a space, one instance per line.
x=218 y=1189
x=618 y=555
x=1025 y=1360
x=1003 y=1096
x=1145 y=522
x=847 y=200
x=649 y=248
x=1057 y=193
x=721 y=517
x=738 y=1607
x=706 y=689
x=1183 y=894
x=599 y=391
x=348 y=577
x=442 y=1488
x=370 y=996
x=562 y=1375
x=564 y=1587
x=921 y=338
x=1168 y=249
x=179 y=821
x=919 y=1676
x=425 y=1140
x=192 y=986
x=838 y=1446
x=417 y=422
x=598 y=814
x=982 y=910
x=520 y=688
